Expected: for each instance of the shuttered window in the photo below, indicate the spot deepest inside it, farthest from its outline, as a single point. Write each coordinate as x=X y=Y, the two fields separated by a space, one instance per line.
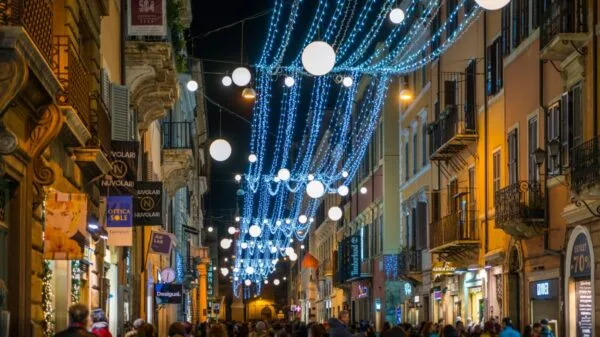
x=435 y=206
x=421 y=225
x=121 y=118
x=513 y=155
x=553 y=125
x=532 y=144
x=496 y=172
x=105 y=89
x=452 y=192
x=424 y=157
x=415 y=147
x=470 y=74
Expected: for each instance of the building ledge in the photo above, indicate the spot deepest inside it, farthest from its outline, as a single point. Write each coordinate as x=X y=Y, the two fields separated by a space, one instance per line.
x=92 y=161
x=176 y=168
x=74 y=132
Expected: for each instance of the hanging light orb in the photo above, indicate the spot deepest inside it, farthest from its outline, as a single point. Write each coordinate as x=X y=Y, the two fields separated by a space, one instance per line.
x=289 y=81
x=363 y=190
x=237 y=219
x=335 y=213
x=315 y=189
x=254 y=231
x=318 y=58
x=241 y=76
x=236 y=269
x=492 y=4
x=192 y=85
x=273 y=250
x=397 y=15
x=288 y=221
x=310 y=177
x=276 y=282
x=226 y=80
x=243 y=245
x=347 y=81
x=210 y=229
x=345 y=174
x=343 y=190
x=249 y=270
x=225 y=259
x=284 y=174
x=252 y=158
x=284 y=278
x=289 y=251
x=266 y=281
x=302 y=219
x=302 y=247
x=249 y=93
x=248 y=282
x=238 y=178
x=231 y=230
x=220 y=150
x=311 y=220
x=278 y=223
x=224 y=271
x=226 y=243
x=274 y=261
x=293 y=257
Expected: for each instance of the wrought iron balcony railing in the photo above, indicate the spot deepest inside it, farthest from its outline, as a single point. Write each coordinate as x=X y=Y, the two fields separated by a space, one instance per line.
x=35 y=16
x=177 y=135
x=563 y=16
x=454 y=229
x=409 y=261
x=519 y=206
x=585 y=165
x=72 y=73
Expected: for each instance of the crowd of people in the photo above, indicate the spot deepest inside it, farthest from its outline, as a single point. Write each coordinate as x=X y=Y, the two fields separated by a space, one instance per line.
x=335 y=327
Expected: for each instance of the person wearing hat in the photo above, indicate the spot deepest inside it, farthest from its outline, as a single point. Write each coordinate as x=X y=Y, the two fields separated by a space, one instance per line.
x=546 y=330
x=137 y=324
x=507 y=329
x=100 y=323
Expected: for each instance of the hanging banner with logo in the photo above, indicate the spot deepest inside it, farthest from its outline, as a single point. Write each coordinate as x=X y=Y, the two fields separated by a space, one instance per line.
x=148 y=203
x=168 y=293
x=65 y=226
x=119 y=220
x=147 y=18
x=121 y=180
x=161 y=243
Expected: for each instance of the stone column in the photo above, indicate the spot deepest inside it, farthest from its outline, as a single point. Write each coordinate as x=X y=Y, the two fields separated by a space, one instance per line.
x=202 y=277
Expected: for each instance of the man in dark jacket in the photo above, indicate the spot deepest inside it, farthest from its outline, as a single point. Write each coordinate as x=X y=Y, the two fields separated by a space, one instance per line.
x=338 y=327
x=78 y=316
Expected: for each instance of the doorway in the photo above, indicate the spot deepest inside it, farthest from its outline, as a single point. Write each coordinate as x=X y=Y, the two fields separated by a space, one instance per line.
x=514 y=287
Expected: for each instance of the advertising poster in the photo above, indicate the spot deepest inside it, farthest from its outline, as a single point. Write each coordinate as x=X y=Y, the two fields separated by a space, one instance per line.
x=148 y=203
x=584 y=308
x=119 y=220
x=168 y=293
x=122 y=177
x=65 y=226
x=147 y=18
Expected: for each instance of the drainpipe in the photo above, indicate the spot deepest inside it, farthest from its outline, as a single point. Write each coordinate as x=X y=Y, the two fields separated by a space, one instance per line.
x=485 y=136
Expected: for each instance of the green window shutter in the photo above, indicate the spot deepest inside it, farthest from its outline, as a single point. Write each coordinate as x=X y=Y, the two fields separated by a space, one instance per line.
x=121 y=117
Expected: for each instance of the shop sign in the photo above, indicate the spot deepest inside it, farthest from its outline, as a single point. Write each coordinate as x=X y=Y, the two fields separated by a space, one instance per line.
x=355 y=256
x=443 y=268
x=168 y=293
x=584 y=308
x=124 y=167
x=161 y=243
x=65 y=229
x=148 y=203
x=119 y=220
x=363 y=291
x=147 y=18
x=437 y=295
x=544 y=289
x=581 y=265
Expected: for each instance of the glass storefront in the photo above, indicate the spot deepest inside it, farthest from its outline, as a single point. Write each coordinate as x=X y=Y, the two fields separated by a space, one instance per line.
x=580 y=285
x=544 y=301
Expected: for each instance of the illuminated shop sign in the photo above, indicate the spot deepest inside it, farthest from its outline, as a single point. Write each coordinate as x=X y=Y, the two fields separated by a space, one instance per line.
x=544 y=289
x=581 y=265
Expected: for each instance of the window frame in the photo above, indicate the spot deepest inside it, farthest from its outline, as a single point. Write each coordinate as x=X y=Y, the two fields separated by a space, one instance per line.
x=496 y=172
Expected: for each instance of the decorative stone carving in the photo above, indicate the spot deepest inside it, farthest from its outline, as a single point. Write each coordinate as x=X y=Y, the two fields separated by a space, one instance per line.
x=13 y=75
x=177 y=165
x=8 y=140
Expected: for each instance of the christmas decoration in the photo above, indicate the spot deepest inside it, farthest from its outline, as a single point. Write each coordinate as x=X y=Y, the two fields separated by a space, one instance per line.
x=48 y=300
x=75 y=282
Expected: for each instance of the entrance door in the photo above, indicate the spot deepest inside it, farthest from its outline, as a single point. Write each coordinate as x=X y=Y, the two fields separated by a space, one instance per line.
x=514 y=288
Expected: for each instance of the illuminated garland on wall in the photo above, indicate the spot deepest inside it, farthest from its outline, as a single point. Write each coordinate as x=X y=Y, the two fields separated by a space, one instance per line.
x=47 y=300
x=75 y=282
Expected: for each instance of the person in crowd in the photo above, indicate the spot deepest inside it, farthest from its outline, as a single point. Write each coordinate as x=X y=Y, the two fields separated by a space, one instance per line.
x=217 y=330
x=317 y=330
x=177 y=329
x=78 y=317
x=528 y=332
x=537 y=330
x=460 y=328
x=261 y=329
x=100 y=323
x=489 y=329
x=386 y=326
x=449 y=331
x=507 y=329
x=395 y=331
x=338 y=327
x=546 y=331
x=371 y=331
x=136 y=326
x=469 y=326
x=146 y=330
x=427 y=330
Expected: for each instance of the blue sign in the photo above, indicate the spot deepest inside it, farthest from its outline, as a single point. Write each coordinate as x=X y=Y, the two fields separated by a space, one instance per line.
x=544 y=289
x=161 y=243
x=581 y=264
x=119 y=211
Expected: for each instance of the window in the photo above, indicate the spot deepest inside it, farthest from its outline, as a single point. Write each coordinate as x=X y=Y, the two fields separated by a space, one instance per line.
x=452 y=193
x=513 y=155
x=380 y=238
x=452 y=21
x=435 y=27
x=435 y=206
x=553 y=121
x=472 y=186
x=532 y=144
x=415 y=146
x=424 y=157
x=470 y=83
x=494 y=67
x=572 y=121
x=519 y=19
x=423 y=71
x=406 y=161
x=496 y=172
x=421 y=230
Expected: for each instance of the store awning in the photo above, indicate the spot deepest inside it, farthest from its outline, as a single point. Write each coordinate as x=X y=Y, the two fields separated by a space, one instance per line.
x=310 y=261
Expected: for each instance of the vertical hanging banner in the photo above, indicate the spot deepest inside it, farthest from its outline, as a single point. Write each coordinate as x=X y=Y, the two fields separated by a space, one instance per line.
x=65 y=226
x=147 y=18
x=119 y=220
x=161 y=243
x=148 y=203
x=124 y=169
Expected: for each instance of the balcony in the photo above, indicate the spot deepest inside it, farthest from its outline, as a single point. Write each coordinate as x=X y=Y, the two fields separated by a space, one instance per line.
x=585 y=169
x=456 y=125
x=177 y=155
x=564 y=29
x=454 y=234
x=520 y=209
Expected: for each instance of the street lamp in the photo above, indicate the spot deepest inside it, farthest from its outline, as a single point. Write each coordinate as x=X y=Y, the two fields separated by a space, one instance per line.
x=406 y=95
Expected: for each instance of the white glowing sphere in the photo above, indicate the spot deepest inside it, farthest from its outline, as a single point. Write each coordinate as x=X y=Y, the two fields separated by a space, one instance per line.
x=276 y=282
x=236 y=278
x=210 y=229
x=345 y=174
x=252 y=158
x=315 y=189
x=302 y=219
x=347 y=81
x=310 y=177
x=266 y=281
x=220 y=150
x=397 y=15
x=249 y=270
x=274 y=261
x=231 y=230
x=492 y=4
x=289 y=251
x=278 y=222
x=226 y=243
x=226 y=80
x=238 y=177
x=236 y=269
x=363 y=190
x=289 y=81
x=247 y=282
x=302 y=247
x=318 y=58
x=192 y=85
x=254 y=231
x=284 y=278
x=224 y=271
x=311 y=220
x=284 y=174
x=273 y=249
x=343 y=190
x=335 y=213
x=237 y=219
x=243 y=245
x=241 y=76
x=288 y=221
x=293 y=257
